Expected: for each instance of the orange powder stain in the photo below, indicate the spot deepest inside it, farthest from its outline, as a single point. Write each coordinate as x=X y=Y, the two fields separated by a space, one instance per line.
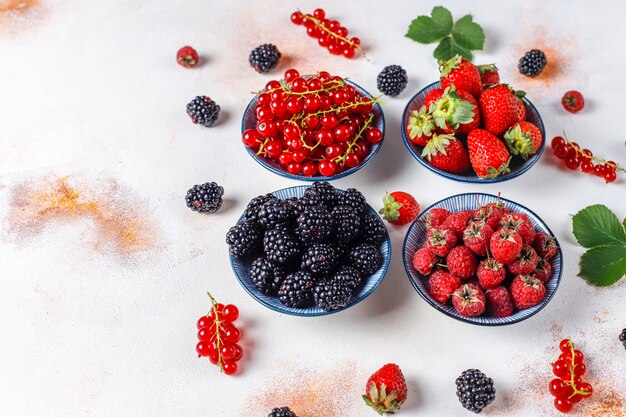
x=17 y=6
x=120 y=224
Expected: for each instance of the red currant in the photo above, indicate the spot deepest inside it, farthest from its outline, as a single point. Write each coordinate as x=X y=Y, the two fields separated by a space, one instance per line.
x=229 y=367
x=228 y=351
x=333 y=25
x=323 y=41
x=314 y=84
x=266 y=129
x=324 y=137
x=557 y=140
x=298 y=156
x=204 y=321
x=206 y=333
x=561 y=151
x=342 y=133
x=599 y=170
x=587 y=167
x=323 y=76
x=341 y=31
x=572 y=162
x=610 y=176
x=566 y=346
x=239 y=353
x=332 y=151
x=272 y=85
x=214 y=357
x=580 y=369
x=557 y=387
x=296 y=18
x=285 y=158
x=273 y=148
x=219 y=307
x=291 y=74
x=308 y=22
x=352 y=160
x=294 y=168
x=294 y=105
x=311 y=121
x=313 y=31
x=563 y=404
x=299 y=85
x=279 y=107
x=203 y=348
x=327 y=168
x=277 y=95
x=350 y=91
x=586 y=155
x=311 y=103
x=329 y=121
x=340 y=97
x=264 y=98
x=334 y=49
x=349 y=52
x=309 y=169
x=264 y=113
x=374 y=135
x=561 y=369
x=585 y=387
x=319 y=14
x=578 y=356
x=291 y=131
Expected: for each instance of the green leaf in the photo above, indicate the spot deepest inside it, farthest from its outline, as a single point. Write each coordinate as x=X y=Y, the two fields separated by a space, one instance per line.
x=442 y=17
x=468 y=34
x=603 y=266
x=596 y=225
x=426 y=29
x=448 y=48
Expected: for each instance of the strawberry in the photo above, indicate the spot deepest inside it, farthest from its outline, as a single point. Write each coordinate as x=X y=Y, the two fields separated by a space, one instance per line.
x=491 y=214
x=543 y=272
x=499 y=302
x=421 y=126
x=385 y=390
x=573 y=101
x=520 y=223
x=466 y=127
x=527 y=291
x=457 y=222
x=451 y=110
x=490 y=273
x=447 y=153
x=476 y=236
x=488 y=155
x=424 y=261
x=469 y=300
x=432 y=96
x=399 y=208
x=440 y=241
x=462 y=262
x=521 y=110
x=525 y=263
x=462 y=73
x=436 y=216
x=442 y=285
x=523 y=139
x=498 y=107
x=488 y=74
x=505 y=245
x=544 y=245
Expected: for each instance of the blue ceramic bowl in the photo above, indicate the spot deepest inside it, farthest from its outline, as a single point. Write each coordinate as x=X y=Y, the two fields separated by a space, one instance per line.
x=518 y=166
x=242 y=272
x=249 y=122
x=416 y=236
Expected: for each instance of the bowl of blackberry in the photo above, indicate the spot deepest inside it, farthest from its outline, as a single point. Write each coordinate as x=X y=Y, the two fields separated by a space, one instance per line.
x=309 y=250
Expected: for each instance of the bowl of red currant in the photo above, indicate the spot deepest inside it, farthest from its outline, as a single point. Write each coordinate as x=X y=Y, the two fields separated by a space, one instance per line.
x=316 y=127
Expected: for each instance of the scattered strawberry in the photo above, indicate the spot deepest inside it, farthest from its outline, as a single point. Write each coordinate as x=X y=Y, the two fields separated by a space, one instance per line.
x=462 y=73
x=527 y=291
x=476 y=236
x=520 y=223
x=424 y=261
x=490 y=273
x=442 y=285
x=187 y=57
x=488 y=155
x=489 y=74
x=544 y=245
x=469 y=300
x=505 y=245
x=573 y=101
x=436 y=216
x=440 y=241
x=385 y=390
x=447 y=153
x=421 y=126
x=457 y=222
x=525 y=263
x=499 y=108
x=499 y=302
x=462 y=262
x=543 y=271
x=399 y=208
x=523 y=139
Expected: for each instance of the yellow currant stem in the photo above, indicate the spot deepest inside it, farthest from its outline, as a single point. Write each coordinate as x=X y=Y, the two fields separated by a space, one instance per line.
x=217 y=337
x=572 y=374
x=261 y=151
x=593 y=158
x=358 y=136
x=320 y=25
x=350 y=105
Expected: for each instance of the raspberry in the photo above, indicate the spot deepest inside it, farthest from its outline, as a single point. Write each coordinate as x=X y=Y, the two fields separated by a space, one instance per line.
x=527 y=291
x=469 y=300
x=525 y=263
x=440 y=241
x=545 y=245
x=187 y=57
x=462 y=262
x=264 y=58
x=521 y=223
x=442 y=285
x=424 y=261
x=573 y=101
x=436 y=216
x=543 y=272
x=490 y=273
x=499 y=302
x=457 y=222
x=505 y=245
x=476 y=236
x=491 y=214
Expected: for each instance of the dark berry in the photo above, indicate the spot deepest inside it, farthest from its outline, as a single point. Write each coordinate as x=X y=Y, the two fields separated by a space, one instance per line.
x=366 y=258
x=347 y=223
x=267 y=275
x=315 y=224
x=319 y=259
x=244 y=239
x=264 y=57
x=281 y=246
x=282 y=412
x=349 y=276
x=275 y=214
x=203 y=111
x=331 y=295
x=353 y=198
x=475 y=390
x=252 y=210
x=373 y=230
x=205 y=198
x=297 y=290
x=325 y=193
x=532 y=63
x=307 y=201
x=392 y=80
x=622 y=338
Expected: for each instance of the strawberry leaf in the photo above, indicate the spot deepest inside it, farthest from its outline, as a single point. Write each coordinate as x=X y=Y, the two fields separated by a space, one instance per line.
x=596 y=225
x=448 y=48
x=603 y=266
x=427 y=29
x=468 y=34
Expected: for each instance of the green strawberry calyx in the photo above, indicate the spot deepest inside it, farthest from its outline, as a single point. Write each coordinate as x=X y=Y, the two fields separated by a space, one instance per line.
x=421 y=123
x=391 y=208
x=451 y=109
x=487 y=68
x=520 y=142
x=493 y=172
x=446 y=66
x=437 y=145
x=380 y=401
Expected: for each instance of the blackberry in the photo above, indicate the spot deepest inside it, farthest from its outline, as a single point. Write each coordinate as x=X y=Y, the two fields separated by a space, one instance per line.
x=267 y=276
x=366 y=258
x=315 y=224
x=532 y=63
x=282 y=412
x=307 y=201
x=347 y=224
x=275 y=214
x=205 y=198
x=264 y=57
x=280 y=246
x=341 y=250
x=297 y=290
x=373 y=230
x=331 y=295
x=319 y=259
x=392 y=80
x=252 y=210
x=325 y=193
x=203 y=111
x=475 y=390
x=353 y=198
x=349 y=276
x=622 y=338
x=244 y=239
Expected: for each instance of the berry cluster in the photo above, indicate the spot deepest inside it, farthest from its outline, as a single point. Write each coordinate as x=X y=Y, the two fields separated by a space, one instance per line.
x=465 y=125
x=475 y=390
x=313 y=125
x=486 y=260
x=218 y=336
x=568 y=388
x=575 y=158
x=316 y=249
x=329 y=33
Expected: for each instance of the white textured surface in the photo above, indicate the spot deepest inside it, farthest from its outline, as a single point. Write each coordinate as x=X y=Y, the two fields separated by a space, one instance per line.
x=91 y=89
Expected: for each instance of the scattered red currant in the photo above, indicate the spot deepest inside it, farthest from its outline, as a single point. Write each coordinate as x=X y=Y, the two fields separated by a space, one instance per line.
x=568 y=389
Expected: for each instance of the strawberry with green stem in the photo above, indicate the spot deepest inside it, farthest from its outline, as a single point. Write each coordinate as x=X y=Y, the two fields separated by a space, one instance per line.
x=523 y=139
x=488 y=155
x=421 y=126
x=447 y=153
x=451 y=110
x=386 y=390
x=499 y=108
x=399 y=208
x=462 y=73
x=488 y=74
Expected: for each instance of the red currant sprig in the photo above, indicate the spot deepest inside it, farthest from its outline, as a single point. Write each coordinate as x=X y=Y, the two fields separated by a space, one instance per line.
x=218 y=336
x=575 y=158
x=569 y=388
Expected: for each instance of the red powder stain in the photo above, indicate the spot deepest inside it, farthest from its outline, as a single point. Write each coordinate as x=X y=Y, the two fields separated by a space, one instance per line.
x=17 y=6
x=120 y=222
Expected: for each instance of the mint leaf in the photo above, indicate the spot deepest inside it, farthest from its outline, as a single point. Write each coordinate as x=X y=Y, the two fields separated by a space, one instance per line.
x=448 y=48
x=598 y=226
x=427 y=29
x=468 y=34
x=603 y=266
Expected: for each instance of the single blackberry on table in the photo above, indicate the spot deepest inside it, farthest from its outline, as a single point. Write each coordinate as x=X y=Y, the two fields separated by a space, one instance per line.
x=347 y=223
x=275 y=213
x=325 y=193
x=296 y=290
x=331 y=295
x=252 y=210
x=392 y=80
x=475 y=390
x=532 y=63
x=319 y=259
x=264 y=57
x=353 y=198
x=267 y=275
x=205 y=198
x=622 y=338
x=315 y=224
x=281 y=246
x=244 y=239
x=349 y=276
x=373 y=230
x=203 y=111
x=366 y=258
x=282 y=412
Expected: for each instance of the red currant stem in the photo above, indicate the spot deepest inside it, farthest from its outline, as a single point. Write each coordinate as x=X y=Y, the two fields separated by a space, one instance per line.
x=338 y=84
x=261 y=151
x=593 y=158
x=333 y=34
x=217 y=337
x=358 y=136
x=572 y=374
x=336 y=109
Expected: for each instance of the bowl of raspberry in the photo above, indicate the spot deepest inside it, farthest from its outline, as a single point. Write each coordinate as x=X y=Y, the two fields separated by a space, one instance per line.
x=309 y=250
x=482 y=259
x=316 y=127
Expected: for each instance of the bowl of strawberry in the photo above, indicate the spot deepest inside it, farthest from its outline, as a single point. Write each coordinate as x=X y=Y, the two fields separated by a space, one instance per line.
x=469 y=127
x=483 y=259
x=316 y=127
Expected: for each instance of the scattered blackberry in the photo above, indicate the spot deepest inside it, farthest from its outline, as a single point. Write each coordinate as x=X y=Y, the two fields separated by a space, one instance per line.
x=325 y=193
x=622 y=338
x=349 y=276
x=319 y=259
x=315 y=224
x=281 y=246
x=205 y=198
x=203 y=111
x=244 y=239
x=275 y=213
x=366 y=258
x=264 y=57
x=532 y=63
x=372 y=229
x=252 y=210
x=347 y=224
x=282 y=412
x=353 y=198
x=330 y=295
x=297 y=290
x=267 y=276
x=392 y=80
x=475 y=390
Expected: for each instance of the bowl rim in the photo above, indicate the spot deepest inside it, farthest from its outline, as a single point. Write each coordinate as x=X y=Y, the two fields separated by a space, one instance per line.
x=477 y=180
x=373 y=151
x=355 y=301
x=476 y=320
